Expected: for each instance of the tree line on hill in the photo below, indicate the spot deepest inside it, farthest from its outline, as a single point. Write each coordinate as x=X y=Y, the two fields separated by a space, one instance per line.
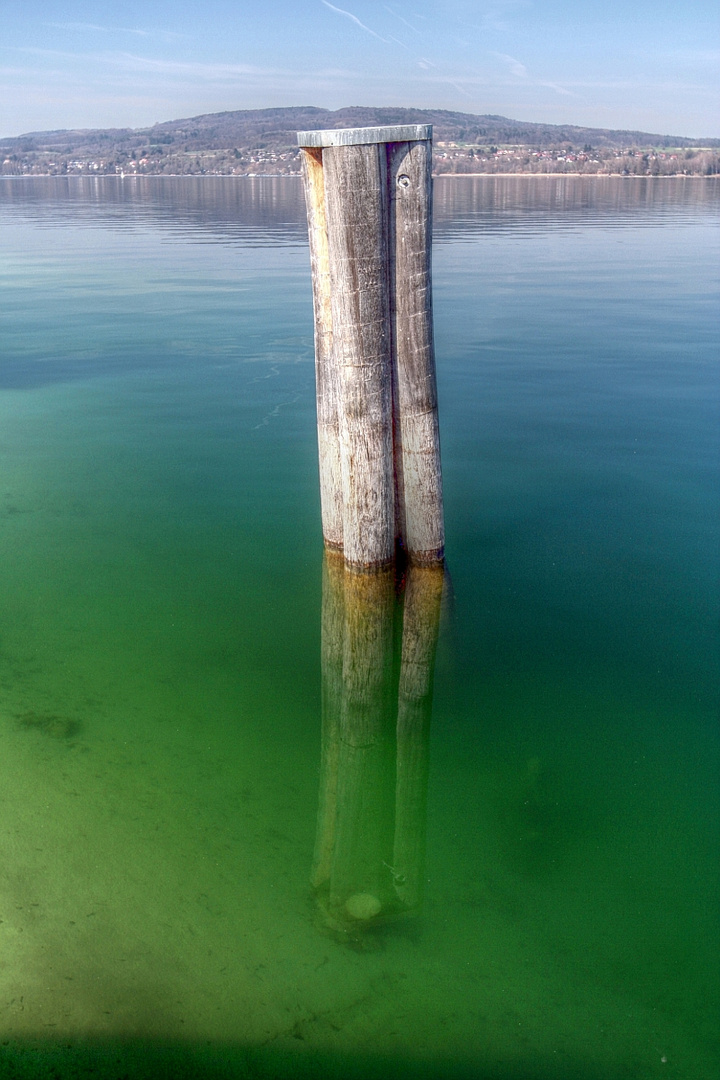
x=261 y=141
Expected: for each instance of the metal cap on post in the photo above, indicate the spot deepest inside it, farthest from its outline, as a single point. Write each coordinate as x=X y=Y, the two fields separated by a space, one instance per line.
x=369 y=201
x=365 y=136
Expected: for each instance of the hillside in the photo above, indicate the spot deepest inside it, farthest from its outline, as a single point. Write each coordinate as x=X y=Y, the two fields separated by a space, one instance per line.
x=263 y=140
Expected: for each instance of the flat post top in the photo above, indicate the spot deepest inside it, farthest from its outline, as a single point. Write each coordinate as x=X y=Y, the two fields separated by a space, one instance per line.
x=364 y=135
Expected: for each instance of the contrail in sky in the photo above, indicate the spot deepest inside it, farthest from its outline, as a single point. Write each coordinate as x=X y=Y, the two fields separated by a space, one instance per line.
x=410 y=25
x=349 y=15
x=515 y=66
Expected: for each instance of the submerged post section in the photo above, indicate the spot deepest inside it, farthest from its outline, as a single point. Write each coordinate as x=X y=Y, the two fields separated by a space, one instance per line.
x=369 y=204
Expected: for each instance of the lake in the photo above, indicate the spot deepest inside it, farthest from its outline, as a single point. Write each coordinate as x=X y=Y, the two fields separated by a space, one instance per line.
x=164 y=757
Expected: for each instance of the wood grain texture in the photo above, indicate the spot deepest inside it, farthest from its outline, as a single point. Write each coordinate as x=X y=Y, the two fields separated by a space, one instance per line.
x=356 y=209
x=418 y=475
x=326 y=375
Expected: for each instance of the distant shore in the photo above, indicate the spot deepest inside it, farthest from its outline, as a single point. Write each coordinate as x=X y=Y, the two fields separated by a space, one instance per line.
x=582 y=176
x=296 y=175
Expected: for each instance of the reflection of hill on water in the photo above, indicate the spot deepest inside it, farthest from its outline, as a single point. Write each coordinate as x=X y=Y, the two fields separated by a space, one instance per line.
x=471 y=204
x=228 y=208
x=242 y=209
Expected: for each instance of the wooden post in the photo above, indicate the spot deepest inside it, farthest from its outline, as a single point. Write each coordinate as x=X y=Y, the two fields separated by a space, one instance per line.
x=369 y=196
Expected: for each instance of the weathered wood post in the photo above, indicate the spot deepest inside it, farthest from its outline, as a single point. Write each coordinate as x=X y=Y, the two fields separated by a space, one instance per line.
x=369 y=201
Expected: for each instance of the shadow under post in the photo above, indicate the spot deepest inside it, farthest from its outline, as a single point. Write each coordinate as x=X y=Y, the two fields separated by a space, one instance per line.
x=379 y=637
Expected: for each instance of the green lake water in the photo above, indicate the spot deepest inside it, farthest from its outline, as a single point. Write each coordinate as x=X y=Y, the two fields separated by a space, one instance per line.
x=161 y=577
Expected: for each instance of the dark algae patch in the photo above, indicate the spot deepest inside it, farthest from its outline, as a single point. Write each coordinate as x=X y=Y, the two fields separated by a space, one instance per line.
x=52 y=725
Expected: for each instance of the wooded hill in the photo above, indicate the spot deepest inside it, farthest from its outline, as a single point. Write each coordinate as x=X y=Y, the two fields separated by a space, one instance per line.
x=263 y=140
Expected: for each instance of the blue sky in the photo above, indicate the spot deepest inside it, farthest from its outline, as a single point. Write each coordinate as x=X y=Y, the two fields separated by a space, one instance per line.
x=651 y=65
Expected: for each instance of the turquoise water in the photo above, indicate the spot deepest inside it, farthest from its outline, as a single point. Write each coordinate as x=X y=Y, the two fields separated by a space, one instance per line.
x=160 y=647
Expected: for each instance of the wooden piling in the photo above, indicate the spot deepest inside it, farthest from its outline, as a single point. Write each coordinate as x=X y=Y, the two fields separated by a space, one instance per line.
x=369 y=199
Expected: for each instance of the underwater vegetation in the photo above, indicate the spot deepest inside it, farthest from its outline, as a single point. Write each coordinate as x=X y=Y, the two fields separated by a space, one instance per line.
x=52 y=725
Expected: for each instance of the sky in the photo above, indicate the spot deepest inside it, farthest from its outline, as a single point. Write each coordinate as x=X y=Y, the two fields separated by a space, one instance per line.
x=648 y=65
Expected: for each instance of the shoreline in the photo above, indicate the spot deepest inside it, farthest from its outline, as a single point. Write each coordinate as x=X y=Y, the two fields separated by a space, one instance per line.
x=585 y=176
x=297 y=176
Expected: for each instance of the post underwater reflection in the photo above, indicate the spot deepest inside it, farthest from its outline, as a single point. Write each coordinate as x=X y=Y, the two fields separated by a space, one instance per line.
x=378 y=641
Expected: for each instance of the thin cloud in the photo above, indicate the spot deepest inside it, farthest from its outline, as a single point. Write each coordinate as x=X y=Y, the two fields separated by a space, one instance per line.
x=210 y=72
x=131 y=63
x=165 y=35
x=697 y=58
x=91 y=26
x=354 y=18
x=635 y=84
x=33 y=50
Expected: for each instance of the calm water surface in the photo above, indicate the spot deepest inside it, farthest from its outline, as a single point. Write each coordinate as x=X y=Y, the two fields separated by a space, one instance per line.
x=160 y=652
